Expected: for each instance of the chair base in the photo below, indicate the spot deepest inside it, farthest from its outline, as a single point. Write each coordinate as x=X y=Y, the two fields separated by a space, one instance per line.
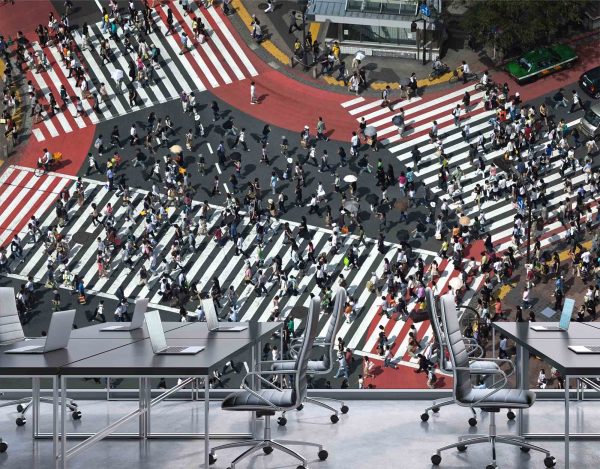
x=465 y=441
x=335 y=417
x=267 y=444
x=436 y=405
x=25 y=403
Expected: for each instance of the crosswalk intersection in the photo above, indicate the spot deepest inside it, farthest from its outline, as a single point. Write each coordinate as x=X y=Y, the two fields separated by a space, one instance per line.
x=218 y=61
x=25 y=193
x=419 y=114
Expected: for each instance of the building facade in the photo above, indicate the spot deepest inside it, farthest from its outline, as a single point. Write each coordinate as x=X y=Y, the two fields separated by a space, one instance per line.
x=380 y=27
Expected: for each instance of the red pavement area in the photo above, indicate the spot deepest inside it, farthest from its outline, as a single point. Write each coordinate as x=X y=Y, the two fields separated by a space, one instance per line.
x=24 y=16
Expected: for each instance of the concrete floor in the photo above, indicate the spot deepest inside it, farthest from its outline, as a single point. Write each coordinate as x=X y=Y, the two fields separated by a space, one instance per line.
x=374 y=434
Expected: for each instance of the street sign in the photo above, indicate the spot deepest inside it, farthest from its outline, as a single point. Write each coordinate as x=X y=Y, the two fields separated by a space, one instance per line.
x=521 y=203
x=425 y=11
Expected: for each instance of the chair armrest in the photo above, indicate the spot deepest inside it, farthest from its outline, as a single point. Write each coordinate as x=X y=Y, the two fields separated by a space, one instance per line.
x=258 y=396
x=492 y=390
x=474 y=350
x=499 y=361
x=270 y=362
x=259 y=374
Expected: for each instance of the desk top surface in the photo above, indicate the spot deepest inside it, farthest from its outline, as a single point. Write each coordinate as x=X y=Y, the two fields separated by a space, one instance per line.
x=199 y=330
x=138 y=359
x=552 y=346
x=522 y=331
x=47 y=364
x=96 y=332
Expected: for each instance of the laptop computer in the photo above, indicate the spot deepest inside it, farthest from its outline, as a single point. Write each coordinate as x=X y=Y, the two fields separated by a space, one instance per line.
x=137 y=321
x=594 y=349
x=212 y=320
x=158 y=341
x=565 y=319
x=59 y=332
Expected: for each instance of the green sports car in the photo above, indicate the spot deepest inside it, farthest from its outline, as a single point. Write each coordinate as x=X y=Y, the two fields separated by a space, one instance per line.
x=541 y=62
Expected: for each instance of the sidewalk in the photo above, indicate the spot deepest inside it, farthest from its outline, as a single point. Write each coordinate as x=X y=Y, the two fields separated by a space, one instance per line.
x=277 y=49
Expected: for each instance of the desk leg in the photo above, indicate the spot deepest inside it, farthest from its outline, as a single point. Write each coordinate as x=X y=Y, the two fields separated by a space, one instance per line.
x=63 y=419
x=522 y=379
x=35 y=403
x=567 y=422
x=148 y=395
x=141 y=407
x=206 y=430
x=55 y=421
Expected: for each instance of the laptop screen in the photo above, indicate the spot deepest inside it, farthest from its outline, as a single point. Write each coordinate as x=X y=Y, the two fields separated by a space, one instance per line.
x=567 y=314
x=156 y=331
x=59 y=332
x=141 y=304
x=212 y=320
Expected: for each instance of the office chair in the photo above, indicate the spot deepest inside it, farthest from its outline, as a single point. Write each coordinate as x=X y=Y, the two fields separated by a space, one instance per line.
x=11 y=331
x=323 y=366
x=489 y=400
x=474 y=350
x=267 y=402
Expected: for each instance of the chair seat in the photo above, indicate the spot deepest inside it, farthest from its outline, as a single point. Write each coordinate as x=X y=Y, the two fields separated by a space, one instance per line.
x=503 y=399
x=314 y=366
x=244 y=400
x=483 y=366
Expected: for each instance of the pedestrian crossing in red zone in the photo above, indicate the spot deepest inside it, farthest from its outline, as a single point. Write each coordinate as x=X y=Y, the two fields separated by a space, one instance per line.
x=25 y=192
x=220 y=60
x=498 y=213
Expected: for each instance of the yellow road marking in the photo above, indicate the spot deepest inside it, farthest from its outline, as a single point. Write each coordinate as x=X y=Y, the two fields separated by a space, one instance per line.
x=266 y=44
x=2 y=68
x=314 y=29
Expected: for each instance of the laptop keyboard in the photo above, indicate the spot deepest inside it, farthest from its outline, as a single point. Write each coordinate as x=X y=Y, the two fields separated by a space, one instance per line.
x=175 y=349
x=594 y=348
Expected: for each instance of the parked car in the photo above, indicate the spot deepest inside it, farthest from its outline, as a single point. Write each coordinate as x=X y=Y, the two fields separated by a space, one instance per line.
x=589 y=126
x=590 y=82
x=541 y=62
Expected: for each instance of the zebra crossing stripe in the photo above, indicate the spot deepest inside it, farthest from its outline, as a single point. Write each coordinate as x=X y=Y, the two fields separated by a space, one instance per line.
x=224 y=29
x=352 y=102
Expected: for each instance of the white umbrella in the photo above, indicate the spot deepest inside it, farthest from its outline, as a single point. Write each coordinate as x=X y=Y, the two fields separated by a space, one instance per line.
x=360 y=55
x=350 y=178
x=456 y=283
x=176 y=149
x=117 y=74
x=290 y=160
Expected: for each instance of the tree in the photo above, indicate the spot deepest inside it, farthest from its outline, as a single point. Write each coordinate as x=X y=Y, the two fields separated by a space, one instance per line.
x=518 y=26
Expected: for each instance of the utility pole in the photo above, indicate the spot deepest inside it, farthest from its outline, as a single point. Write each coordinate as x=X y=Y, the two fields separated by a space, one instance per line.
x=424 y=40
x=528 y=228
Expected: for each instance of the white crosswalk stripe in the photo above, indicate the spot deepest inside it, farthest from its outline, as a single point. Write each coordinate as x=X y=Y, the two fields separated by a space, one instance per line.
x=419 y=116
x=201 y=266
x=219 y=61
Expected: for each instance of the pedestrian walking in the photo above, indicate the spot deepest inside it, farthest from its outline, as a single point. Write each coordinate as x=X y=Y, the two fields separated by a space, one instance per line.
x=321 y=130
x=576 y=103
x=253 y=99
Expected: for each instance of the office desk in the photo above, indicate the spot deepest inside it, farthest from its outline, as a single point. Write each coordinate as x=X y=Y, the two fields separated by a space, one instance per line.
x=552 y=347
x=49 y=365
x=129 y=354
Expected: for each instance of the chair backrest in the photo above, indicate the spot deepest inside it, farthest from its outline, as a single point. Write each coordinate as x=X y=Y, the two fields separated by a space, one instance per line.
x=456 y=347
x=301 y=365
x=10 y=323
x=438 y=330
x=334 y=324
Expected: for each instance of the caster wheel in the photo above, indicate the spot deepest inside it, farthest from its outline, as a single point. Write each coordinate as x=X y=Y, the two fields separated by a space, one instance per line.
x=268 y=449
x=76 y=414
x=510 y=415
x=473 y=421
x=462 y=448
x=435 y=410
x=550 y=461
x=282 y=421
x=491 y=466
x=301 y=467
x=74 y=404
x=20 y=408
x=344 y=409
x=211 y=459
x=334 y=418
x=323 y=455
x=424 y=417
x=524 y=449
x=21 y=421
x=436 y=459
x=300 y=407
x=3 y=447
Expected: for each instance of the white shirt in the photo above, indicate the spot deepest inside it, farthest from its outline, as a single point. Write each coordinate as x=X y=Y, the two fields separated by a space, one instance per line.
x=466 y=68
